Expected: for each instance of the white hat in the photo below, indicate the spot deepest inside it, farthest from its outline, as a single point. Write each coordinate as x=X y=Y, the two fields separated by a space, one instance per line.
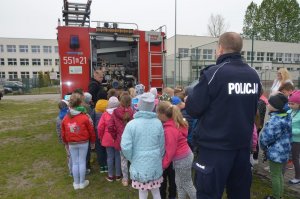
x=113 y=102
x=153 y=91
x=146 y=102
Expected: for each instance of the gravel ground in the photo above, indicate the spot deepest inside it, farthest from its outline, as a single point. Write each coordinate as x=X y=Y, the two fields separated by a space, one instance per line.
x=54 y=97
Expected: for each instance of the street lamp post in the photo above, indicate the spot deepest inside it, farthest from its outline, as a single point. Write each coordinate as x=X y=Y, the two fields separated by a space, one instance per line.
x=175 y=50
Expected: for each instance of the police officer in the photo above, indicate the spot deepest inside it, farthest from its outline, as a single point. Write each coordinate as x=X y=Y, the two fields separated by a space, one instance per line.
x=225 y=102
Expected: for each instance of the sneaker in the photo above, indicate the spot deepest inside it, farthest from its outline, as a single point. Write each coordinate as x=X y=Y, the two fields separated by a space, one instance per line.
x=118 y=178
x=88 y=171
x=125 y=183
x=294 y=181
x=109 y=179
x=289 y=165
x=102 y=169
x=84 y=185
x=267 y=168
x=76 y=186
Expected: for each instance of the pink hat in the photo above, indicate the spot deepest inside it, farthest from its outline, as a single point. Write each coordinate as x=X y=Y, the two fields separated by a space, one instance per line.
x=295 y=97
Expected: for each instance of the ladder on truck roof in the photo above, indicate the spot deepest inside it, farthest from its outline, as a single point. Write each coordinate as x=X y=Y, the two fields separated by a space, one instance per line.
x=156 y=59
x=77 y=14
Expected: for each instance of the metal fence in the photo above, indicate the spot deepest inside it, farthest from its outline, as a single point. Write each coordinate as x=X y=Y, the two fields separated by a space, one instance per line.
x=188 y=70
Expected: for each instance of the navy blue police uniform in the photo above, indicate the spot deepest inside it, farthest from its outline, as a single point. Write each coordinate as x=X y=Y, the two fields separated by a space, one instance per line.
x=225 y=103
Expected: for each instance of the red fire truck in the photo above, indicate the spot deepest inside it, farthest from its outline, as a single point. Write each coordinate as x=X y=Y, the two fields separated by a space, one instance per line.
x=127 y=55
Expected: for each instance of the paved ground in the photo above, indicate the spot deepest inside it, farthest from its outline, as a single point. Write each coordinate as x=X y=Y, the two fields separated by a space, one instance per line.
x=289 y=174
x=54 y=97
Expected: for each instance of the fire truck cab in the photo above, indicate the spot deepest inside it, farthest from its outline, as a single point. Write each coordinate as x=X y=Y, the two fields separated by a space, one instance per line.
x=126 y=55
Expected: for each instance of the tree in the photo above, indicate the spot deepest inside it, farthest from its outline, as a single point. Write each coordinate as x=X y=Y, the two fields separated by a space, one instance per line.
x=250 y=20
x=216 y=25
x=274 y=20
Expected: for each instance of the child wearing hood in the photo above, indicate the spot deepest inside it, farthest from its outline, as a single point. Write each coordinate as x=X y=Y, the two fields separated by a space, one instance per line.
x=142 y=144
x=120 y=117
x=63 y=106
x=113 y=156
x=77 y=131
x=177 y=148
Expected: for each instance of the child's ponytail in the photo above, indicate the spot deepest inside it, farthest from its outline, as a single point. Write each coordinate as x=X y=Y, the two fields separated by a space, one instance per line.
x=125 y=101
x=172 y=111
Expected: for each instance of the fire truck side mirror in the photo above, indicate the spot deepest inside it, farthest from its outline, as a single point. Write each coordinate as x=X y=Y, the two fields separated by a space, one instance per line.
x=74 y=42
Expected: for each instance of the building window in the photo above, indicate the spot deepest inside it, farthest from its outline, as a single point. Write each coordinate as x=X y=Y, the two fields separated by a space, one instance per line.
x=249 y=55
x=195 y=53
x=12 y=61
x=58 y=75
x=12 y=75
x=270 y=56
x=47 y=62
x=24 y=62
x=25 y=75
x=297 y=58
x=47 y=49
x=11 y=48
x=183 y=52
x=35 y=74
x=207 y=54
x=260 y=56
x=56 y=49
x=56 y=62
x=258 y=68
x=1 y=48
x=23 y=48
x=35 y=49
x=279 y=57
x=288 y=57
x=2 y=75
x=2 y=62
x=36 y=62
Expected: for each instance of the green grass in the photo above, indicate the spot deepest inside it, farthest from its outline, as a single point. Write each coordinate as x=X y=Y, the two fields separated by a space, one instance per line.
x=33 y=163
x=45 y=90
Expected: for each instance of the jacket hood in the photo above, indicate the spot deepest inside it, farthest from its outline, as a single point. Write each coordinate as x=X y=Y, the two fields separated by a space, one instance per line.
x=74 y=112
x=171 y=123
x=110 y=110
x=145 y=114
x=120 y=111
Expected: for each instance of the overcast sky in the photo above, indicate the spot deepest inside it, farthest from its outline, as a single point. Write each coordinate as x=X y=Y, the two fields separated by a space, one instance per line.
x=38 y=18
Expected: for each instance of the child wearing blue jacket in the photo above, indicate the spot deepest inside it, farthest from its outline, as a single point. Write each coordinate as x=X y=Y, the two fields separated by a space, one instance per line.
x=275 y=140
x=143 y=144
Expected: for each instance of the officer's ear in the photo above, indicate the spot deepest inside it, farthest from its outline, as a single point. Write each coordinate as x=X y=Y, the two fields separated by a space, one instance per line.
x=219 y=51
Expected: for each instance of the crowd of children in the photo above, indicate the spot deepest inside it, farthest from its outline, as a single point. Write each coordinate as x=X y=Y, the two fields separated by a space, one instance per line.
x=143 y=129
x=153 y=133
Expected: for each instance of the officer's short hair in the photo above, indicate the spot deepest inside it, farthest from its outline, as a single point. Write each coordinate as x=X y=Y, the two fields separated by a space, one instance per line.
x=231 y=42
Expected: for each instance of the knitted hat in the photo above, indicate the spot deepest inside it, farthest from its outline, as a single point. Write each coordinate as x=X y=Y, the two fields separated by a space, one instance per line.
x=113 y=102
x=87 y=97
x=153 y=91
x=176 y=100
x=139 y=89
x=295 y=97
x=101 y=106
x=278 y=101
x=165 y=97
x=146 y=102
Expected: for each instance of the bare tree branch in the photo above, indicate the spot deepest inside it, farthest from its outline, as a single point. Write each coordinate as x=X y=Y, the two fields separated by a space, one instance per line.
x=216 y=25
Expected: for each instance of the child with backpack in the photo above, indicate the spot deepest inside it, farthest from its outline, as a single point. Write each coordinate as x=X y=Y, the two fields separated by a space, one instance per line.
x=120 y=117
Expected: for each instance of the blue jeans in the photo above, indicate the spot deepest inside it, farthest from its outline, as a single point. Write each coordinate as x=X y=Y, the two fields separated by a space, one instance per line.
x=78 y=155
x=113 y=161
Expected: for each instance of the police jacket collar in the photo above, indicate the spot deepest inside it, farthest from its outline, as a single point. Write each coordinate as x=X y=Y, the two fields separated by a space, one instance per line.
x=228 y=56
